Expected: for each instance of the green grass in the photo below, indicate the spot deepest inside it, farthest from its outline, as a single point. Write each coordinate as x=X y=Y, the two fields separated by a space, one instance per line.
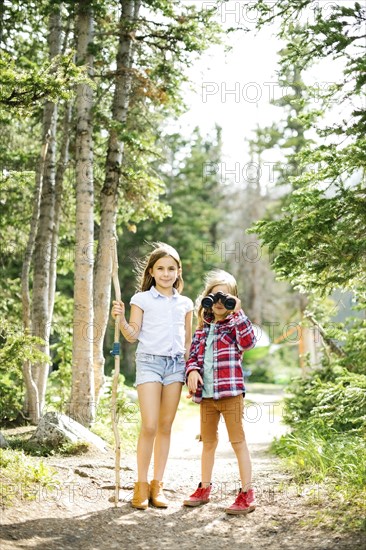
x=21 y=476
x=336 y=464
x=128 y=421
x=313 y=456
x=20 y=443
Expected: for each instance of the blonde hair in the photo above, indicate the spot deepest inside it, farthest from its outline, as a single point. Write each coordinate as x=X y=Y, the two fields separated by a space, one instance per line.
x=161 y=250
x=212 y=279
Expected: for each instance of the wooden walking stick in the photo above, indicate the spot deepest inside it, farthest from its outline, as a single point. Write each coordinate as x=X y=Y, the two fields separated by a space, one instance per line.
x=116 y=353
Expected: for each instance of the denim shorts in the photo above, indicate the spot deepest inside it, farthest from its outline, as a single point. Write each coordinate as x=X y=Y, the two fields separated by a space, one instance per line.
x=159 y=368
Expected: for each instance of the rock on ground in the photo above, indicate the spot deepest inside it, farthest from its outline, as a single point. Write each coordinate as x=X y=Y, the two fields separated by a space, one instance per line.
x=55 y=428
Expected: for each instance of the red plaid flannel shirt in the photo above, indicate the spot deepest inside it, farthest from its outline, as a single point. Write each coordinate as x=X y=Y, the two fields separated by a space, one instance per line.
x=232 y=336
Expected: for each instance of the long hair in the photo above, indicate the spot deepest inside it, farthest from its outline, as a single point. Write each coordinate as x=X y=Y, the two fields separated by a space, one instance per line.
x=212 y=279
x=161 y=250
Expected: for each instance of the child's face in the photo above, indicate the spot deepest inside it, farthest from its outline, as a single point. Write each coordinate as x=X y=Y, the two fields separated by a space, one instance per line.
x=165 y=272
x=218 y=309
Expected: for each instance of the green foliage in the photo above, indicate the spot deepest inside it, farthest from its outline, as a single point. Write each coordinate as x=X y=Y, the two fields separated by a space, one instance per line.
x=21 y=477
x=128 y=416
x=312 y=236
x=318 y=238
x=348 y=335
x=315 y=457
x=171 y=36
x=278 y=367
x=354 y=346
x=167 y=37
x=15 y=211
x=327 y=413
x=59 y=386
x=330 y=400
x=32 y=448
x=22 y=90
x=261 y=372
x=193 y=196
x=16 y=347
x=325 y=216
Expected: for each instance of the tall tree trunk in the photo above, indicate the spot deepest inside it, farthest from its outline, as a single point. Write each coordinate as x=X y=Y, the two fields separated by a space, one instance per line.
x=60 y=173
x=109 y=193
x=31 y=401
x=41 y=322
x=82 y=390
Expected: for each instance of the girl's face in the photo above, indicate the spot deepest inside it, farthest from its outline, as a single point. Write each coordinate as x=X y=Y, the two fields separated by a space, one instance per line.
x=218 y=309
x=165 y=272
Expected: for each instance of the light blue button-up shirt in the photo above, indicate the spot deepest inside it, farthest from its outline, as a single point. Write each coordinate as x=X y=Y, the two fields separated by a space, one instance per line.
x=163 y=323
x=208 y=361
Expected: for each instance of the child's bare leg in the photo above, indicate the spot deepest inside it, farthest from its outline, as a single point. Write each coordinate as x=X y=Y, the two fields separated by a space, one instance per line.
x=244 y=463
x=168 y=407
x=207 y=461
x=149 y=395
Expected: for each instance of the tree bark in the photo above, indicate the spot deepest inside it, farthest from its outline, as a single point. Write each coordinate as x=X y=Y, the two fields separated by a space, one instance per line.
x=109 y=193
x=41 y=322
x=82 y=390
x=60 y=173
x=31 y=402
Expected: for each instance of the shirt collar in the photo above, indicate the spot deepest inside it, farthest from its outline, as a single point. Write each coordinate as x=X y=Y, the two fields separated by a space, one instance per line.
x=156 y=293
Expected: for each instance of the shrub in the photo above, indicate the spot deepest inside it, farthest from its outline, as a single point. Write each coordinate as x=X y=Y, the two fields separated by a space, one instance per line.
x=332 y=401
x=16 y=347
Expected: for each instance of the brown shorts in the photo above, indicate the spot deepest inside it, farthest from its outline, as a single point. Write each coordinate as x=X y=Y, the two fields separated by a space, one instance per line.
x=231 y=408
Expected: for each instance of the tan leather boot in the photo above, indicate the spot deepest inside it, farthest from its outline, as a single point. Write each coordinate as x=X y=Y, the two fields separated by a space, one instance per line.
x=141 y=494
x=157 y=496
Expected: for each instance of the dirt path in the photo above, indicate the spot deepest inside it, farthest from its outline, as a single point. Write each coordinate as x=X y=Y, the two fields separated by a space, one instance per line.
x=78 y=514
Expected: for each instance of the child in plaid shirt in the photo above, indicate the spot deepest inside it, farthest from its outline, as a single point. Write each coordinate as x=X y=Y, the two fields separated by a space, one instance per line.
x=215 y=380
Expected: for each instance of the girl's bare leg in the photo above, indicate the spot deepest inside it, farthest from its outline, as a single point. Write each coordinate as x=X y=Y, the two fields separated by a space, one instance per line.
x=149 y=395
x=170 y=396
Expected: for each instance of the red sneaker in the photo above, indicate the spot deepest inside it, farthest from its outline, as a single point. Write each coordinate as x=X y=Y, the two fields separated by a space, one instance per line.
x=244 y=503
x=200 y=496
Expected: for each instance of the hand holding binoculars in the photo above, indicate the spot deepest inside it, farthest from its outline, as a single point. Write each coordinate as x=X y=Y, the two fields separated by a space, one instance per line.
x=211 y=299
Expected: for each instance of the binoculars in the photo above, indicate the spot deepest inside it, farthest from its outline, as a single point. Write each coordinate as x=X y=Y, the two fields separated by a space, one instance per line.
x=211 y=299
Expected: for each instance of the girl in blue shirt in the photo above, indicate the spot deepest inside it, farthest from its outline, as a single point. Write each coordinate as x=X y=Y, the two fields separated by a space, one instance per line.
x=161 y=322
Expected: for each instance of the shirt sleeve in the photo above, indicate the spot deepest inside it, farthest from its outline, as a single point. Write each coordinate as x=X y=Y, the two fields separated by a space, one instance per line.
x=245 y=335
x=138 y=299
x=192 y=363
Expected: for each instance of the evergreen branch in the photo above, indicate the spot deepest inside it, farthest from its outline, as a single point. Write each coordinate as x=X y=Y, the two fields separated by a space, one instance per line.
x=331 y=343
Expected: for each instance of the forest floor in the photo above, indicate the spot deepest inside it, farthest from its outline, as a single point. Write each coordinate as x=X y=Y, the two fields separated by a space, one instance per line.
x=76 y=511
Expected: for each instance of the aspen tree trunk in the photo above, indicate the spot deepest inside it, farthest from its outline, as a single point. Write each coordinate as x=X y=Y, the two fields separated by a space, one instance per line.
x=60 y=173
x=109 y=193
x=40 y=319
x=82 y=390
x=31 y=402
